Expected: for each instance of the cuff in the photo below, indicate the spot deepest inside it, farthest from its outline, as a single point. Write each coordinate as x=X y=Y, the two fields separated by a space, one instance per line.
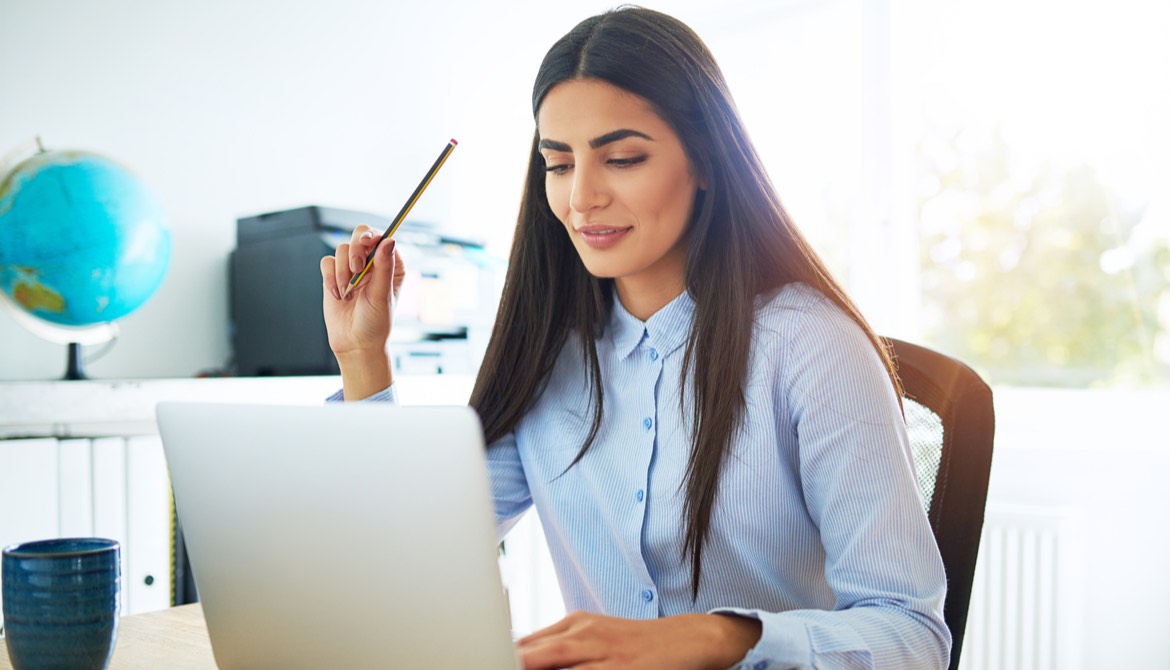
x=783 y=645
x=388 y=394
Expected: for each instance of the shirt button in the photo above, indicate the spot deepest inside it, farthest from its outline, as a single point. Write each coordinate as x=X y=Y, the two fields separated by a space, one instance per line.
x=647 y=595
x=641 y=494
x=653 y=354
x=762 y=665
x=647 y=423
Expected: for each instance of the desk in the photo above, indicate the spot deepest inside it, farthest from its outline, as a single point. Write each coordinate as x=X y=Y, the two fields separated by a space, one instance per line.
x=174 y=638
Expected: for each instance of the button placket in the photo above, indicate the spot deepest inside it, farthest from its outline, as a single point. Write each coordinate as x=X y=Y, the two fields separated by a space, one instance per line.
x=647 y=383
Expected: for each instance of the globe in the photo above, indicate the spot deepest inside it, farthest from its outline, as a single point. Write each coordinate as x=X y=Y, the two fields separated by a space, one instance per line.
x=82 y=239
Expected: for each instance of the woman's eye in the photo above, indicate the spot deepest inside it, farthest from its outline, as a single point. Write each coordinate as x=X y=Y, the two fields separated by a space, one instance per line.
x=626 y=162
x=557 y=169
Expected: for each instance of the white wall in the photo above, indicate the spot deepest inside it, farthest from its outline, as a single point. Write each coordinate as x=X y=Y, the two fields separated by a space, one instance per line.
x=234 y=108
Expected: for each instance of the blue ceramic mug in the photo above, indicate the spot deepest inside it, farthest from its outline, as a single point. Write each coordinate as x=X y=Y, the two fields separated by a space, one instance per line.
x=61 y=603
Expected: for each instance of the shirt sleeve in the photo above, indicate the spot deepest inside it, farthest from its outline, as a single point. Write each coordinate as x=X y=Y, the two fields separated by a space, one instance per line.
x=510 y=493
x=859 y=487
x=388 y=394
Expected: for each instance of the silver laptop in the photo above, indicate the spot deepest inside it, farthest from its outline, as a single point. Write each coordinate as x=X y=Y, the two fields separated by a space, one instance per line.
x=339 y=536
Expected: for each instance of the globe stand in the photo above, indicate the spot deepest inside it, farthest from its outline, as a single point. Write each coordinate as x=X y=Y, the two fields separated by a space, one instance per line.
x=73 y=337
x=73 y=370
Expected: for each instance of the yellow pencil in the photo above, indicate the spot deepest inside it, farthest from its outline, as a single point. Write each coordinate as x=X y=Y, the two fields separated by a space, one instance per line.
x=401 y=215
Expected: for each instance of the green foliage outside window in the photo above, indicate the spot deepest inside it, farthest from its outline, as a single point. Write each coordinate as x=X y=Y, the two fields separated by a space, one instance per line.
x=1040 y=277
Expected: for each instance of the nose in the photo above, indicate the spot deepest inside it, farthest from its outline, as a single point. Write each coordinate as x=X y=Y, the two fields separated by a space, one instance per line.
x=588 y=189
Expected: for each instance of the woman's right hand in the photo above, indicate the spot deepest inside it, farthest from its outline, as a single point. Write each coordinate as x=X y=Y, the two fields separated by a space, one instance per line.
x=359 y=324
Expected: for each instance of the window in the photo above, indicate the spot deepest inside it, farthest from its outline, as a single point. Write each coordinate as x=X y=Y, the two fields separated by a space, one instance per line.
x=982 y=176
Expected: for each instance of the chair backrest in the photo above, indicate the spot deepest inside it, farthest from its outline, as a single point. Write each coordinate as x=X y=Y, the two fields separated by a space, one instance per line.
x=951 y=422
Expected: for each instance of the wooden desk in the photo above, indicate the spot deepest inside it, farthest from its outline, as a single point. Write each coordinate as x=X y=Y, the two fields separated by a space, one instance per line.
x=174 y=638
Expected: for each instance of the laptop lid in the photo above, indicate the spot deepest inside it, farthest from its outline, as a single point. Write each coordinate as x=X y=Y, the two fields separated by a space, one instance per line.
x=340 y=535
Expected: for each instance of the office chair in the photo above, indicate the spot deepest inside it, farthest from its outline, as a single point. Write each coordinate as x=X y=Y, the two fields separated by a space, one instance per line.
x=951 y=423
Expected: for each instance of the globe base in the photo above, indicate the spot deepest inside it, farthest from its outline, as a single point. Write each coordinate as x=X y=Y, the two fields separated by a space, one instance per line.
x=73 y=369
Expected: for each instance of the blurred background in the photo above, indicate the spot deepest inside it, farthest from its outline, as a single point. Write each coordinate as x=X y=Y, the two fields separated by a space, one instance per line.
x=988 y=178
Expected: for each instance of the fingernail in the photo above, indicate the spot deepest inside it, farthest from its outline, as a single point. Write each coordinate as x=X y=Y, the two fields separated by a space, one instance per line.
x=367 y=235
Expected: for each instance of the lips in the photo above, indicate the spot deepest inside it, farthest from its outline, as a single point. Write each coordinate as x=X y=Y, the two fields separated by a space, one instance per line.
x=600 y=236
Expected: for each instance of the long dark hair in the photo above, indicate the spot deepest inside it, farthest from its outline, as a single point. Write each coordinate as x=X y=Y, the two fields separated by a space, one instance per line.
x=739 y=234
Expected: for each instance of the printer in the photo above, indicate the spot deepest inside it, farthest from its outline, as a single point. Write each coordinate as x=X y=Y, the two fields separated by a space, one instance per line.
x=445 y=307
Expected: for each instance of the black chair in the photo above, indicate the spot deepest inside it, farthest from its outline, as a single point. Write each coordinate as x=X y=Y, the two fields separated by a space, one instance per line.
x=951 y=422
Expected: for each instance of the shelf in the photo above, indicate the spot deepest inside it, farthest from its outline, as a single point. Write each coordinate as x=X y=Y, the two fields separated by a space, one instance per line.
x=100 y=408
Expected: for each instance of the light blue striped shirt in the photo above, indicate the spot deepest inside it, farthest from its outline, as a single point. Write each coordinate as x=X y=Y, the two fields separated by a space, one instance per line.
x=818 y=529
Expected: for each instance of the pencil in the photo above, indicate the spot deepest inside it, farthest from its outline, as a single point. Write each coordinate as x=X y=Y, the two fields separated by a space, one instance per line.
x=426 y=180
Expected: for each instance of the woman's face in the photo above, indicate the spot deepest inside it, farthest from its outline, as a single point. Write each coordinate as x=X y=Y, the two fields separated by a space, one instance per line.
x=620 y=182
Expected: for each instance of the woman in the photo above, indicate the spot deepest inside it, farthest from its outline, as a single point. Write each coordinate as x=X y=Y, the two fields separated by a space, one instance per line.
x=707 y=426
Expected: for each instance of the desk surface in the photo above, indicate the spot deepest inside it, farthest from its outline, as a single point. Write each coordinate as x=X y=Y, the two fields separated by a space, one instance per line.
x=174 y=638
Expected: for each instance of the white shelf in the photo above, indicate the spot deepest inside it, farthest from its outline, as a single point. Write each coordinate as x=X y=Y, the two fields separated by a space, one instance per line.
x=99 y=408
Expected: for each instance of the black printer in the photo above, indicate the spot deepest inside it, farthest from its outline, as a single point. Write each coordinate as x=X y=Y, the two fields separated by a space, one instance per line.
x=278 y=328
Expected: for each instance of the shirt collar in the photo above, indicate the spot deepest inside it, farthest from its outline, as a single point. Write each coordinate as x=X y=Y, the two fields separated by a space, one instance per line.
x=666 y=329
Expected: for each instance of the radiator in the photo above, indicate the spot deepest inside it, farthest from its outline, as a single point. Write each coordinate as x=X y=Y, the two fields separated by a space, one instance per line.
x=1025 y=596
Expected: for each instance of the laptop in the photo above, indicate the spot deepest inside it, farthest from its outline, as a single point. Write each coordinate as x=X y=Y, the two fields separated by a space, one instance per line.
x=340 y=535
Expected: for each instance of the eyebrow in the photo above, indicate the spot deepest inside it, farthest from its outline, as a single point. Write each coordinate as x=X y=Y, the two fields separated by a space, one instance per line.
x=599 y=141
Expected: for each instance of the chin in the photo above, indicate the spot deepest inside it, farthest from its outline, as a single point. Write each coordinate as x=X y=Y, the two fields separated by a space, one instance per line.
x=601 y=272
x=603 y=269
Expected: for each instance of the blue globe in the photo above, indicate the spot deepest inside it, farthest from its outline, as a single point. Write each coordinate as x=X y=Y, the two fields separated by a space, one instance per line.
x=82 y=240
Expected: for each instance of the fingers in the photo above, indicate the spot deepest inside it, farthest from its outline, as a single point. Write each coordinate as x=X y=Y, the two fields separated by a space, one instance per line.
x=556 y=628
x=341 y=267
x=361 y=243
x=329 y=277
x=348 y=259
x=570 y=642
x=361 y=231
x=558 y=652
x=380 y=279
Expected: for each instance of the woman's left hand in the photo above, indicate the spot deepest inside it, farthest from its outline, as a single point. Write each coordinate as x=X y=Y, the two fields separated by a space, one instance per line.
x=594 y=642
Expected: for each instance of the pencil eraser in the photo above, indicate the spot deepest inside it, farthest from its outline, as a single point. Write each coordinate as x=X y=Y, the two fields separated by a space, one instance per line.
x=454 y=142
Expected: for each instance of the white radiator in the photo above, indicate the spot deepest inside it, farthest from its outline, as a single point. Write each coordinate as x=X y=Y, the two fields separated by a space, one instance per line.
x=1025 y=597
